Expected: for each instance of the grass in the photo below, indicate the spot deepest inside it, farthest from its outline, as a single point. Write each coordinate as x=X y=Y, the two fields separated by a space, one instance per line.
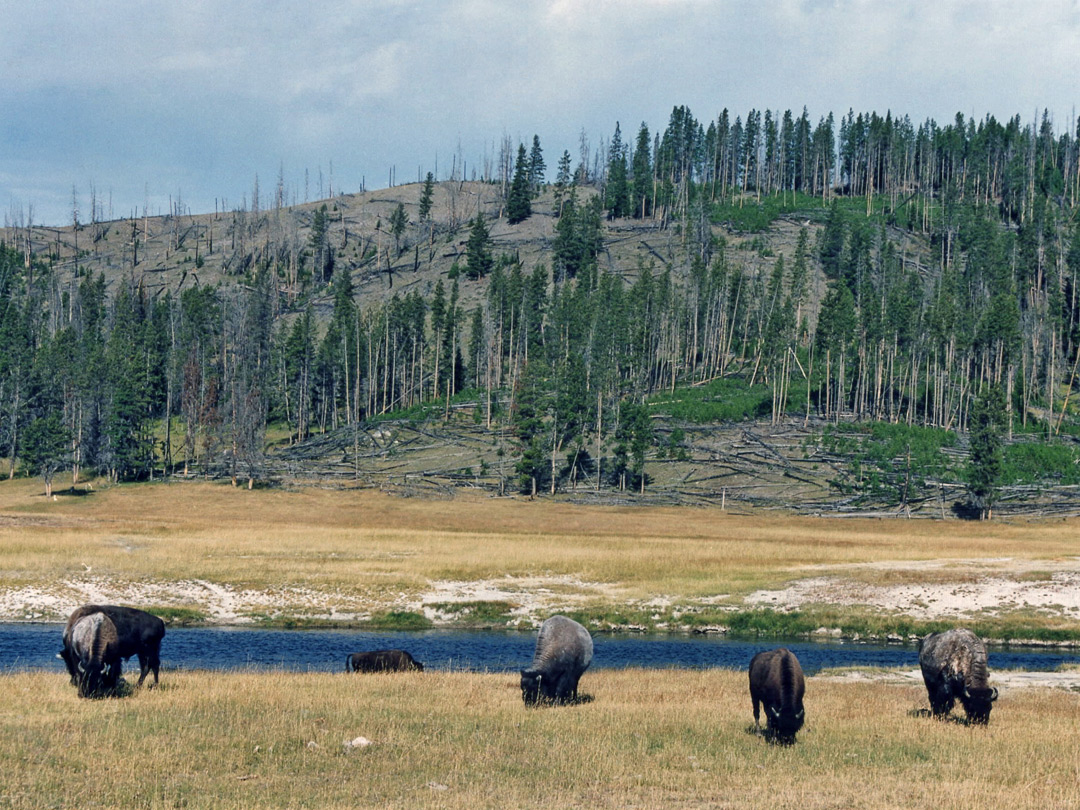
x=365 y=554
x=670 y=738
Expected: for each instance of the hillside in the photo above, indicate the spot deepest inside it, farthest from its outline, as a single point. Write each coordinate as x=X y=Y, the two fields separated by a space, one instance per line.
x=882 y=338
x=172 y=252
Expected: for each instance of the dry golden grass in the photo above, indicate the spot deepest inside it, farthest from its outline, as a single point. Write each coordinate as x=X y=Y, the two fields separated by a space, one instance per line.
x=366 y=544
x=647 y=739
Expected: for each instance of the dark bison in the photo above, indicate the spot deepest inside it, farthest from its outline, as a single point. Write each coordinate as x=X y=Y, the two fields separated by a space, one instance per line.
x=139 y=633
x=94 y=647
x=954 y=667
x=564 y=651
x=382 y=661
x=776 y=680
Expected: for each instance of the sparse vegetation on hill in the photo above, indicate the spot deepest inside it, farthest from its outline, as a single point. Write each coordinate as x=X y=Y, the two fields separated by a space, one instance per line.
x=872 y=273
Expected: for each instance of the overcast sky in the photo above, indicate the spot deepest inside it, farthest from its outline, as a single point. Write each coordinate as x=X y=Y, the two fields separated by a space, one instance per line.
x=147 y=100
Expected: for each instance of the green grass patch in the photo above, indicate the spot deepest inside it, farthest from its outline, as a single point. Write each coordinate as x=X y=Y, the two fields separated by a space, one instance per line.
x=749 y=215
x=1038 y=462
x=728 y=399
x=614 y=617
x=399 y=620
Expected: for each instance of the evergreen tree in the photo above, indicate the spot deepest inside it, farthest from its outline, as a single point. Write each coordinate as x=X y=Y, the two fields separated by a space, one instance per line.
x=985 y=464
x=427 y=197
x=478 y=258
x=47 y=448
x=322 y=255
x=536 y=166
x=519 y=200
x=528 y=424
x=617 y=192
x=562 y=182
x=399 y=221
x=641 y=192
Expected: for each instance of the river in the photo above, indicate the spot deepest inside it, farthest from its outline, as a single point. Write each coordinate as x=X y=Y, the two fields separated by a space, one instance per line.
x=34 y=646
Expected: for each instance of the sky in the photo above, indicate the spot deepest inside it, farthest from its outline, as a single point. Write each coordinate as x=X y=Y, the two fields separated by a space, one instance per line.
x=156 y=103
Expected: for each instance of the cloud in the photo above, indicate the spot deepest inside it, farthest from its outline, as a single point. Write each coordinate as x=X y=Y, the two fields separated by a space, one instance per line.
x=205 y=94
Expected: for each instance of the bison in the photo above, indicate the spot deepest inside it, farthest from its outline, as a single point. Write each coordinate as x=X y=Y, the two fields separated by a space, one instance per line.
x=94 y=647
x=382 y=661
x=776 y=680
x=564 y=651
x=954 y=667
x=139 y=633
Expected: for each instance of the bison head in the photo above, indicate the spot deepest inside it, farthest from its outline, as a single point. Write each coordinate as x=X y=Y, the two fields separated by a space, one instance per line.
x=530 y=686
x=978 y=703
x=783 y=724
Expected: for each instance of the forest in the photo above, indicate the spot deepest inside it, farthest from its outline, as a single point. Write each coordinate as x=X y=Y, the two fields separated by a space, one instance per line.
x=929 y=292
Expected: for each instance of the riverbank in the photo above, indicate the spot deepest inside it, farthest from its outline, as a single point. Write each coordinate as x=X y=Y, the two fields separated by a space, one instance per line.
x=207 y=554
x=645 y=738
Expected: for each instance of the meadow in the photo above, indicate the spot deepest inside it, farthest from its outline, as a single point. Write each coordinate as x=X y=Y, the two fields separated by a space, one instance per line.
x=647 y=738
x=315 y=551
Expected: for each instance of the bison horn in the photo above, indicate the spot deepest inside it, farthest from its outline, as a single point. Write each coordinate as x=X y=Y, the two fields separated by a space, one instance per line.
x=994 y=694
x=81 y=668
x=772 y=710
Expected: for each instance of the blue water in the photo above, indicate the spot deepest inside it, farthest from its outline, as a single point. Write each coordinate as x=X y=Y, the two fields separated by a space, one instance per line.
x=34 y=646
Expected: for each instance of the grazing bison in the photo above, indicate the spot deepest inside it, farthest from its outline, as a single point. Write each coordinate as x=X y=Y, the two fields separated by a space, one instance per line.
x=382 y=661
x=94 y=646
x=139 y=633
x=954 y=666
x=564 y=650
x=776 y=680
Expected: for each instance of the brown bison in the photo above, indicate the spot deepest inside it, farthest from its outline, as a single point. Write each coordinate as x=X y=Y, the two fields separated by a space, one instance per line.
x=564 y=650
x=954 y=667
x=94 y=646
x=382 y=661
x=138 y=632
x=776 y=680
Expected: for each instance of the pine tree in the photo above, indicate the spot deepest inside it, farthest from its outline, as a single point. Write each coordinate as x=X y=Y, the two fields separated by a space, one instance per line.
x=562 y=182
x=427 y=197
x=399 y=221
x=641 y=192
x=985 y=462
x=478 y=258
x=46 y=448
x=617 y=193
x=519 y=200
x=536 y=166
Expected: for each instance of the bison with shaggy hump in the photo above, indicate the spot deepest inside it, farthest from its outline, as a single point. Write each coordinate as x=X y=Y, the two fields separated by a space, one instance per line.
x=776 y=680
x=382 y=661
x=953 y=665
x=138 y=633
x=95 y=649
x=564 y=650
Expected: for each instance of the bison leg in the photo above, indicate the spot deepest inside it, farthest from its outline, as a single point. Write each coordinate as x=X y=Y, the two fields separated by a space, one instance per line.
x=941 y=707
x=566 y=687
x=69 y=662
x=149 y=660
